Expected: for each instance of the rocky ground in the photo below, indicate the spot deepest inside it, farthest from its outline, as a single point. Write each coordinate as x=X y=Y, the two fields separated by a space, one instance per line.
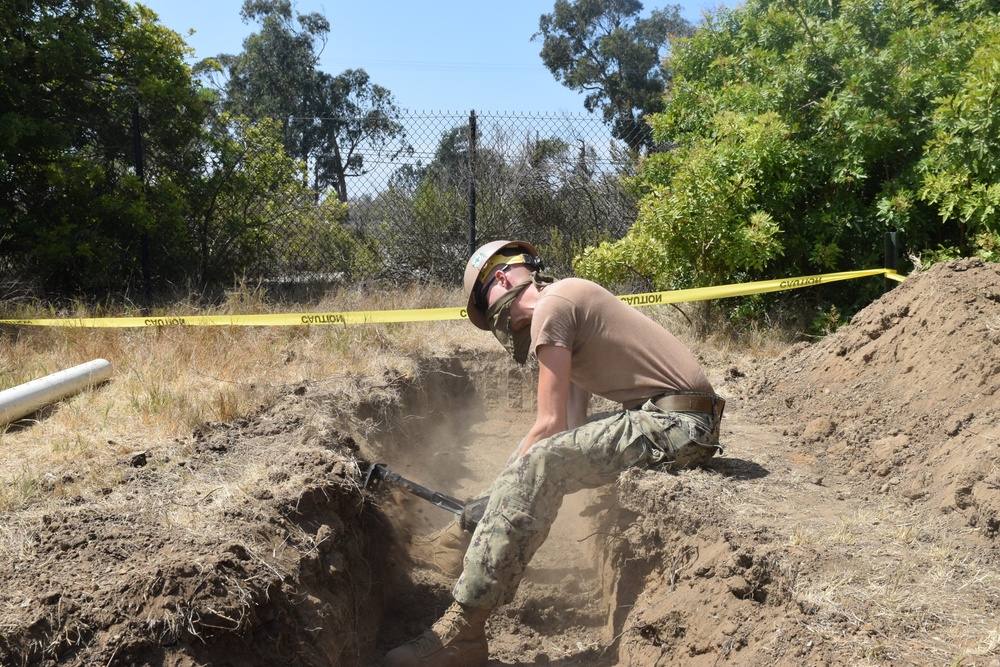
x=852 y=520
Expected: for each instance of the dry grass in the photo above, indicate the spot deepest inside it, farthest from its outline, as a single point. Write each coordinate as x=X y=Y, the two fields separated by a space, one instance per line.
x=911 y=579
x=168 y=381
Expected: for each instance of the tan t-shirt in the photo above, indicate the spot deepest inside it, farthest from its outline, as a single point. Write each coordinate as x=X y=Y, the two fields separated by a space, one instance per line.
x=618 y=352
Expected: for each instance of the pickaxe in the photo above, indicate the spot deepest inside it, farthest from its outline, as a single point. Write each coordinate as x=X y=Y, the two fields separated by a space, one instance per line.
x=469 y=513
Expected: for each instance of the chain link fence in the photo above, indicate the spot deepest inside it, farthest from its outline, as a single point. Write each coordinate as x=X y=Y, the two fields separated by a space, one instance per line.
x=419 y=207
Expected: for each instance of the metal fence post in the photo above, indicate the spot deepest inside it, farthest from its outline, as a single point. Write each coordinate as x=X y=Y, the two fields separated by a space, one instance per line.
x=140 y=172
x=891 y=256
x=472 y=182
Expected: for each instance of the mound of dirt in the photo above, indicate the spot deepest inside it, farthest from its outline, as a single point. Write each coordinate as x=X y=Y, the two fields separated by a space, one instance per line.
x=852 y=520
x=905 y=397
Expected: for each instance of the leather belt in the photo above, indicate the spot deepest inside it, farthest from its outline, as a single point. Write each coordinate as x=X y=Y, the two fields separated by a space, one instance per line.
x=708 y=404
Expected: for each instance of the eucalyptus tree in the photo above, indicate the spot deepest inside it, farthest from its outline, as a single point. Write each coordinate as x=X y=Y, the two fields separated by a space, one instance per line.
x=353 y=118
x=275 y=75
x=608 y=50
x=330 y=122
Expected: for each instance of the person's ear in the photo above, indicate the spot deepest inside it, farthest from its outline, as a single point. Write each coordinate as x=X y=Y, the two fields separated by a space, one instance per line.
x=503 y=278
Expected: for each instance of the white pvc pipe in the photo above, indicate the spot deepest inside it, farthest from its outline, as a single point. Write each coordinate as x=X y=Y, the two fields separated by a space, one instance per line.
x=27 y=398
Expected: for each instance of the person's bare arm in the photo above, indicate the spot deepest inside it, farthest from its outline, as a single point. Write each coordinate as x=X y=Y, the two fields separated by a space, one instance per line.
x=554 y=388
x=579 y=402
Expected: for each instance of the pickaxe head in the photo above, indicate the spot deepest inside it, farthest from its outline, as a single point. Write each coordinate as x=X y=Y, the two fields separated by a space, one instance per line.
x=375 y=474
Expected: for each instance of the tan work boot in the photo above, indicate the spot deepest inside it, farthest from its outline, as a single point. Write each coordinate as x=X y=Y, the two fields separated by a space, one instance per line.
x=458 y=639
x=443 y=550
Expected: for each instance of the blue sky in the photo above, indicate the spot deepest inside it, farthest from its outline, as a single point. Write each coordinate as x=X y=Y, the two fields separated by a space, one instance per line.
x=434 y=55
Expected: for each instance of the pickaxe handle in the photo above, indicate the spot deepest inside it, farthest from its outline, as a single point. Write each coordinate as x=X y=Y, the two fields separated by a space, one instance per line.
x=379 y=471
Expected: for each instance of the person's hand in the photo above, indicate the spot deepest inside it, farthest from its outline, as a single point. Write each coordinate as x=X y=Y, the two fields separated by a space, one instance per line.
x=472 y=513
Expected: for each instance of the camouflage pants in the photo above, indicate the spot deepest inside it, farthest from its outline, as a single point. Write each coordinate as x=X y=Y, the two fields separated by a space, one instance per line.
x=525 y=499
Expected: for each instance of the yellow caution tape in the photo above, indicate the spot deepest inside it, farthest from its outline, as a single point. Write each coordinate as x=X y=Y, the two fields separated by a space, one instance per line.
x=892 y=275
x=267 y=320
x=743 y=289
x=434 y=314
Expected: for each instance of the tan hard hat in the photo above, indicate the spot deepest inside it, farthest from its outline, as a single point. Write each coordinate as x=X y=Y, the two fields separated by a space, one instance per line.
x=480 y=261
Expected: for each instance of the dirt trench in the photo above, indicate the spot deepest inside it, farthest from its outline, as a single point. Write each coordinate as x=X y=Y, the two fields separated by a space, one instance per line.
x=253 y=542
x=852 y=519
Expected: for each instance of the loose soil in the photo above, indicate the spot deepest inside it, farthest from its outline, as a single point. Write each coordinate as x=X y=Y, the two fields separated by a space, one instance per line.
x=852 y=520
